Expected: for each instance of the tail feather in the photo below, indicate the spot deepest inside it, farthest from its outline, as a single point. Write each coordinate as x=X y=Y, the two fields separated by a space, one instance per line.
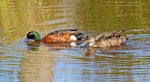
x=117 y=33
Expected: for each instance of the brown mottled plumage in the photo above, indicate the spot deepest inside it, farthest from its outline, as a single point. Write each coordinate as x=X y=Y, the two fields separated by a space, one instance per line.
x=107 y=39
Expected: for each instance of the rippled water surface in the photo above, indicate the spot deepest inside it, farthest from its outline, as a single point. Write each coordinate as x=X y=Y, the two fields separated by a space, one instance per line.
x=23 y=62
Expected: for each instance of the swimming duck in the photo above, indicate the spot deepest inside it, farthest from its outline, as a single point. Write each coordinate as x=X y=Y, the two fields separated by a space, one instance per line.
x=106 y=39
x=61 y=35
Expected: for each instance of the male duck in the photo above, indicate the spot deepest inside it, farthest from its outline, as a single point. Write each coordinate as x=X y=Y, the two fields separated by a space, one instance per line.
x=107 y=39
x=62 y=35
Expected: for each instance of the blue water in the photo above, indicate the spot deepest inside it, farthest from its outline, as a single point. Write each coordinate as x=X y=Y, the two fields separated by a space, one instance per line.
x=129 y=63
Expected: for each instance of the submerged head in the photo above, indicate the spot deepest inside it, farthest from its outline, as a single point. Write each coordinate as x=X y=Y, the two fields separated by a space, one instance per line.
x=89 y=42
x=33 y=35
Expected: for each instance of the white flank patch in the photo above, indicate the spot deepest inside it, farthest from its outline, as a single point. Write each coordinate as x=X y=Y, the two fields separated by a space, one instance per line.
x=73 y=38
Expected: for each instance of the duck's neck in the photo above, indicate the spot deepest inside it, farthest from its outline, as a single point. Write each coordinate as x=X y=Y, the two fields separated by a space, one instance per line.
x=37 y=36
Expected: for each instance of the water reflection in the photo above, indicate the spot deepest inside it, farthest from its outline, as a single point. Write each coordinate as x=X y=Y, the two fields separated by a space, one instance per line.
x=114 y=64
x=35 y=66
x=52 y=46
x=96 y=69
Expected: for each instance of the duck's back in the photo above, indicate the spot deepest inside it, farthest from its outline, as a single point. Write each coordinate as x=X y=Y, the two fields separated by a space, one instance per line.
x=108 y=39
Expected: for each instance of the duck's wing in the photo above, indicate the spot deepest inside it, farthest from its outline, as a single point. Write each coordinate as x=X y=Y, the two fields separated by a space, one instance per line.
x=107 y=35
x=67 y=30
x=80 y=35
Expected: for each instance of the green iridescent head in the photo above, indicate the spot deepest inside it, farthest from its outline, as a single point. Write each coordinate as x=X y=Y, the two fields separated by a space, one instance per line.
x=33 y=35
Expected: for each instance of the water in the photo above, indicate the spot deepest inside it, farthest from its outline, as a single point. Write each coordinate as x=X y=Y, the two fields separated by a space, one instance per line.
x=22 y=62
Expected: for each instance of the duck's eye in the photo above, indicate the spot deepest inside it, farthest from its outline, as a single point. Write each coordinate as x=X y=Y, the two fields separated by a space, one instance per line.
x=30 y=35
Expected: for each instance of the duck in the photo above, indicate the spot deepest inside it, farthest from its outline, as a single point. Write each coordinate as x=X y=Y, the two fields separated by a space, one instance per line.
x=105 y=39
x=61 y=35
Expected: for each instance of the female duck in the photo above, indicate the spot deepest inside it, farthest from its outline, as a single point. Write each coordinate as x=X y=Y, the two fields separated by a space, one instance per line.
x=63 y=35
x=107 y=39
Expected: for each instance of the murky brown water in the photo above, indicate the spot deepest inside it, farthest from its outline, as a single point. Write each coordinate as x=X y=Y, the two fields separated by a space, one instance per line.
x=21 y=62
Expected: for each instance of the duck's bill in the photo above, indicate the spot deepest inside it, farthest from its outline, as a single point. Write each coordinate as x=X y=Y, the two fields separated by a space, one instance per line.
x=25 y=39
x=84 y=45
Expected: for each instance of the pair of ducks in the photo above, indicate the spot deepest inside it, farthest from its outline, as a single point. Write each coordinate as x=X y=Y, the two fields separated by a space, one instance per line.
x=103 y=40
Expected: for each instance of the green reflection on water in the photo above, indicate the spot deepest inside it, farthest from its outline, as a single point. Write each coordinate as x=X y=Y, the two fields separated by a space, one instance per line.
x=112 y=15
x=17 y=16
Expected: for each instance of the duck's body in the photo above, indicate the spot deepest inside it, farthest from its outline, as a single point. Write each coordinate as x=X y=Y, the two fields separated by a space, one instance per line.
x=63 y=35
x=107 y=39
